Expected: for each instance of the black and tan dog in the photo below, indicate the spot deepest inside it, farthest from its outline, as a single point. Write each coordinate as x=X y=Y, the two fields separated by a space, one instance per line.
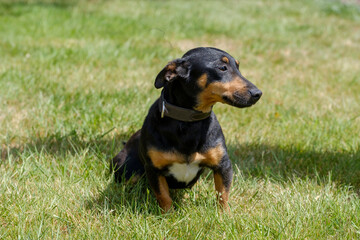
x=181 y=135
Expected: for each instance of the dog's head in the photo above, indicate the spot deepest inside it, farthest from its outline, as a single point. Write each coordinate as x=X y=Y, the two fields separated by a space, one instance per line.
x=209 y=75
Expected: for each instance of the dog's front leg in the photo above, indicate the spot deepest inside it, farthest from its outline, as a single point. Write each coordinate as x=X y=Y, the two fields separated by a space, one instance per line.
x=160 y=187
x=223 y=179
x=163 y=195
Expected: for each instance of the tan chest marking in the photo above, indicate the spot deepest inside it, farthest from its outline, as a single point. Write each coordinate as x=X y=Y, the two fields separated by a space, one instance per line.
x=211 y=157
x=161 y=159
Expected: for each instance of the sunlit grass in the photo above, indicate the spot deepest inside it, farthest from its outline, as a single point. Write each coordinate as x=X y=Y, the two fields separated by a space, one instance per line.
x=76 y=79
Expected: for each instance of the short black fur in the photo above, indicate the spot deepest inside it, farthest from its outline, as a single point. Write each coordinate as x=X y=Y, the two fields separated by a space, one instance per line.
x=181 y=88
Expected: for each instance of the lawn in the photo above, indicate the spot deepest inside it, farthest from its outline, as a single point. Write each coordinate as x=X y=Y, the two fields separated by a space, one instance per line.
x=76 y=79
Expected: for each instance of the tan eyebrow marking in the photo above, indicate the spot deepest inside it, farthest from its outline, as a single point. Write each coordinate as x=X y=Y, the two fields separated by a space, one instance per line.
x=237 y=62
x=225 y=60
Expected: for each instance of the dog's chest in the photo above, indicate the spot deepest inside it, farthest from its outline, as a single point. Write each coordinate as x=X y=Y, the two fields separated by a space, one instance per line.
x=184 y=172
x=184 y=168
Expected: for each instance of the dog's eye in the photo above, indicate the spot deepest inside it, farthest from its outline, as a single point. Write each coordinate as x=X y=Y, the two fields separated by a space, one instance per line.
x=223 y=68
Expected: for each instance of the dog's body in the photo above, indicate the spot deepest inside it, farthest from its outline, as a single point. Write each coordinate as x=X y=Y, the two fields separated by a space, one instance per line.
x=181 y=135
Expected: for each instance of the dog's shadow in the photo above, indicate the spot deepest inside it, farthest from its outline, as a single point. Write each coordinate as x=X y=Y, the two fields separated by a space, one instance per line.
x=115 y=196
x=135 y=198
x=278 y=162
x=122 y=197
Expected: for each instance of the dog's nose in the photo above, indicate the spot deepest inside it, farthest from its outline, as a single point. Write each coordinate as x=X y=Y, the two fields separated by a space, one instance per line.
x=255 y=93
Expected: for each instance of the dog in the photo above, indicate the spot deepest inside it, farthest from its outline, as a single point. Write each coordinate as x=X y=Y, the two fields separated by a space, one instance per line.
x=181 y=135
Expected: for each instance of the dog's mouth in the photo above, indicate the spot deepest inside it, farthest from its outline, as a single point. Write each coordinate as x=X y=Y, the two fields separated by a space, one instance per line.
x=241 y=100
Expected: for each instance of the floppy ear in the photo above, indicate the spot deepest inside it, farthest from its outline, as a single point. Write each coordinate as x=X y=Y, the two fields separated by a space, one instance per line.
x=176 y=68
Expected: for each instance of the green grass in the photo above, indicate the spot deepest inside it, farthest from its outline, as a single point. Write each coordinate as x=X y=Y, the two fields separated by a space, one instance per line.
x=76 y=79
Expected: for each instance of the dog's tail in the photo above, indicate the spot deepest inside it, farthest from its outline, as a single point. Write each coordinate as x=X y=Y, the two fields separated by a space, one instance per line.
x=126 y=164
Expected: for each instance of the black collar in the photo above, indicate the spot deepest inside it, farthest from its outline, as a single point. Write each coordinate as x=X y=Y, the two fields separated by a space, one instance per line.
x=179 y=113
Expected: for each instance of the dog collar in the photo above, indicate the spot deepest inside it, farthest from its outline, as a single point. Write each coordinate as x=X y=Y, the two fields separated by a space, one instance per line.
x=179 y=113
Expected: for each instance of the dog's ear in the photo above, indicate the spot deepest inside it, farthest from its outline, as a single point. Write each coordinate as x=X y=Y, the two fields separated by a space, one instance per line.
x=174 y=69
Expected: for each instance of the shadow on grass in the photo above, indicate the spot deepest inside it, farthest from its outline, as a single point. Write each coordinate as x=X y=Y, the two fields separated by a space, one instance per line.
x=122 y=197
x=285 y=162
x=254 y=160
x=117 y=197
x=279 y=163
x=60 y=145
x=135 y=198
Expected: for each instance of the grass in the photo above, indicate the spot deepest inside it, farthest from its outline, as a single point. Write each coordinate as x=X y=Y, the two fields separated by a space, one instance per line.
x=76 y=79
